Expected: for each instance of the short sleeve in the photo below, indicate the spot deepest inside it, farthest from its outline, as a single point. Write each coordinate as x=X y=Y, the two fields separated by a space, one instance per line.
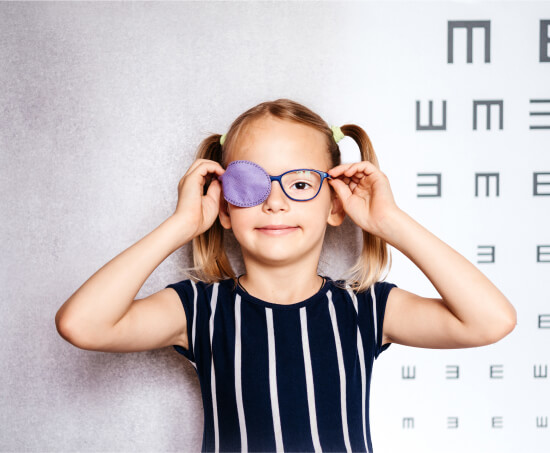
x=187 y=292
x=381 y=292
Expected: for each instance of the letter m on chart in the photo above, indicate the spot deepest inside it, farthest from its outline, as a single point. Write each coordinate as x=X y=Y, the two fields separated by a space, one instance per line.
x=469 y=25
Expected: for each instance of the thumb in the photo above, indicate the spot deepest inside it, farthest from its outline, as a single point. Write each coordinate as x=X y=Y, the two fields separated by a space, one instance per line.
x=341 y=189
x=214 y=190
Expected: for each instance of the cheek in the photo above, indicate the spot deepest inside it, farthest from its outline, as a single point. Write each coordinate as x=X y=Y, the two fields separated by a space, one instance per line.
x=316 y=214
x=242 y=219
x=324 y=204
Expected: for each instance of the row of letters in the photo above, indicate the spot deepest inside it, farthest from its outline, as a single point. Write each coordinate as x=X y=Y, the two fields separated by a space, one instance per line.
x=495 y=422
x=442 y=126
x=485 y=25
x=540 y=179
x=542 y=256
x=495 y=372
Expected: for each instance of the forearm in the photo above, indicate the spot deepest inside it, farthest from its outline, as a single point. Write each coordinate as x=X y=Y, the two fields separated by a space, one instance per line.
x=466 y=291
x=106 y=296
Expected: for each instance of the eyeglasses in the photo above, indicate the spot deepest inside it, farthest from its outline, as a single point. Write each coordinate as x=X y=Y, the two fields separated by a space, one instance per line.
x=302 y=184
x=246 y=184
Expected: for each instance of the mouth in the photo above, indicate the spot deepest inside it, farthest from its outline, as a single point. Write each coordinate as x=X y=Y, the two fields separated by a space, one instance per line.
x=277 y=230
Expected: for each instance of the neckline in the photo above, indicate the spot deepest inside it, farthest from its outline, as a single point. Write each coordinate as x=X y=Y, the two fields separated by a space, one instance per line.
x=309 y=301
x=244 y=289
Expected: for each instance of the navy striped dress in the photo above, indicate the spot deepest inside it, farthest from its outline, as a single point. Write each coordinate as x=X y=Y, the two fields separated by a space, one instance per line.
x=284 y=377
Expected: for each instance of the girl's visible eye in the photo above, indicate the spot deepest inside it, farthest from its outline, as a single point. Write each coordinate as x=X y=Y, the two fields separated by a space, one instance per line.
x=301 y=185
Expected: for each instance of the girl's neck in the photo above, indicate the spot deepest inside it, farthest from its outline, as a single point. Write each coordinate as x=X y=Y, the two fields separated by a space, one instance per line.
x=281 y=287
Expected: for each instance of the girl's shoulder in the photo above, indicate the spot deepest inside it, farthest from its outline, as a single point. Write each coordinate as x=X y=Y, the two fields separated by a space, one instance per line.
x=375 y=290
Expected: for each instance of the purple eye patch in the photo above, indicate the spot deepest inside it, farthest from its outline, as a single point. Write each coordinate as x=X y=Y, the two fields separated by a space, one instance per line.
x=245 y=184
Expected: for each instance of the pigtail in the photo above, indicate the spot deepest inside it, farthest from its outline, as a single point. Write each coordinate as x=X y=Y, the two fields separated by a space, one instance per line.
x=375 y=253
x=209 y=257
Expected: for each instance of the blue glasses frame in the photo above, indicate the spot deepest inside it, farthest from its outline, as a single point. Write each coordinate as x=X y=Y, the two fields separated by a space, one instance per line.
x=323 y=174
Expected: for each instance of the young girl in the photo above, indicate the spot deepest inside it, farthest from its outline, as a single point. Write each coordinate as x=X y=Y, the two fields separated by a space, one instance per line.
x=284 y=355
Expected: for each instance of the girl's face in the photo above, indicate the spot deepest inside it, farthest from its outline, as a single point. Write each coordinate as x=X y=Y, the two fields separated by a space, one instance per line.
x=278 y=146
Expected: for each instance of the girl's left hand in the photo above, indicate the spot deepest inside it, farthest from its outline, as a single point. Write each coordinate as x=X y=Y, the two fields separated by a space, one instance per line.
x=365 y=194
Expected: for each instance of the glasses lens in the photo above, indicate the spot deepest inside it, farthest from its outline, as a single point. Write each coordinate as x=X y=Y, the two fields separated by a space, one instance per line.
x=301 y=184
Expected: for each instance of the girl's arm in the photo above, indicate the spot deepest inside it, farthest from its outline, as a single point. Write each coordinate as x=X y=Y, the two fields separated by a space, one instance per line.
x=472 y=311
x=88 y=318
x=103 y=315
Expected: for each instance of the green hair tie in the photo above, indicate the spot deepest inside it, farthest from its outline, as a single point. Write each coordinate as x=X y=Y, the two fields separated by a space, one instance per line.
x=337 y=133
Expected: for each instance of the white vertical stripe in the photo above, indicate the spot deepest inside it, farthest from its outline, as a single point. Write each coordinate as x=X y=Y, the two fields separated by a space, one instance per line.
x=361 y=353
x=341 y=371
x=238 y=382
x=193 y=328
x=213 y=303
x=309 y=382
x=374 y=317
x=272 y=364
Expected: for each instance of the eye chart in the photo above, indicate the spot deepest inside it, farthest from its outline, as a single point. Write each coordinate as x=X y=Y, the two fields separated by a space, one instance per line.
x=467 y=150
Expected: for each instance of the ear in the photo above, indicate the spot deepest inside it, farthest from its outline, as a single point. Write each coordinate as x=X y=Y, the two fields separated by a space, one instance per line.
x=225 y=219
x=337 y=212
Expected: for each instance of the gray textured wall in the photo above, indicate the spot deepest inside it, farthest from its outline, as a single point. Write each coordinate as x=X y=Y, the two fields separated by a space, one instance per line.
x=102 y=106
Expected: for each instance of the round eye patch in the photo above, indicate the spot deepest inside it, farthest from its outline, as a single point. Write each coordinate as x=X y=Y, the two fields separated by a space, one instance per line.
x=245 y=184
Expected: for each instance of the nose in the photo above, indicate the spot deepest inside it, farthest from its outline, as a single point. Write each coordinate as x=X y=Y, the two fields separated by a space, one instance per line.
x=277 y=200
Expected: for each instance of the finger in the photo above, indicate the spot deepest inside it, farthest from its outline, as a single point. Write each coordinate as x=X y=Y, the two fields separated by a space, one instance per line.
x=341 y=189
x=213 y=166
x=356 y=179
x=214 y=190
x=195 y=164
x=210 y=166
x=357 y=169
x=207 y=171
x=338 y=170
x=364 y=167
x=203 y=171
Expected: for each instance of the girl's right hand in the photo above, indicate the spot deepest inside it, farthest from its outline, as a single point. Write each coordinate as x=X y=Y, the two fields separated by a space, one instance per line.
x=197 y=210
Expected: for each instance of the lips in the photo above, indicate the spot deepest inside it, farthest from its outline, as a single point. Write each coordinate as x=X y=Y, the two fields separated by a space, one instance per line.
x=276 y=227
x=277 y=230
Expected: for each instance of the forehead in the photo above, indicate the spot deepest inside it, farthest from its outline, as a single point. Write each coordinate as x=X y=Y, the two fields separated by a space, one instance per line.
x=280 y=145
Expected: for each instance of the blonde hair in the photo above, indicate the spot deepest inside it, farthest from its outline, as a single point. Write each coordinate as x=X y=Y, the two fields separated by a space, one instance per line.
x=209 y=257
